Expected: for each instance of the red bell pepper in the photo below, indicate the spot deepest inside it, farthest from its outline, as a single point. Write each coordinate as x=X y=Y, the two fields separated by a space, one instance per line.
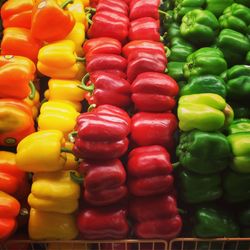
x=104 y=182
x=109 y=24
x=103 y=45
x=102 y=133
x=117 y=6
x=98 y=62
x=149 y=171
x=114 y=72
x=145 y=28
x=19 y=42
x=17 y=13
x=142 y=8
x=105 y=88
x=103 y=223
x=159 y=88
x=154 y=129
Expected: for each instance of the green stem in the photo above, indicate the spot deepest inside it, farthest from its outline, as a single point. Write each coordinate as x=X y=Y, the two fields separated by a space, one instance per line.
x=166 y=71
x=75 y=178
x=43 y=101
x=162 y=12
x=72 y=136
x=66 y=150
x=91 y=107
x=176 y=165
x=167 y=51
x=32 y=90
x=84 y=86
x=63 y=5
x=88 y=15
x=89 y=9
x=80 y=59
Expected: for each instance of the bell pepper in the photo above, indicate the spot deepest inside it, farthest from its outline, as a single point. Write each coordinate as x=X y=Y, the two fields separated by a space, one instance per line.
x=104 y=182
x=237 y=80
x=236 y=186
x=153 y=129
x=205 y=61
x=102 y=45
x=205 y=84
x=173 y=31
x=71 y=162
x=50 y=158
x=105 y=88
x=206 y=112
x=16 y=76
x=34 y=103
x=9 y=210
x=217 y=8
x=140 y=8
x=50 y=61
x=149 y=171
x=16 y=121
x=235 y=17
x=57 y=115
x=51 y=226
x=50 y=22
x=234 y=46
x=203 y=152
x=239 y=125
x=161 y=89
x=199 y=27
x=109 y=24
x=213 y=222
x=195 y=188
x=103 y=223
x=102 y=133
x=16 y=13
x=145 y=28
x=175 y=70
x=54 y=192
x=248 y=58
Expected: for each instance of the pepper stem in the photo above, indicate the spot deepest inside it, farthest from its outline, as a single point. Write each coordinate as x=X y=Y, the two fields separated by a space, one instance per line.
x=176 y=164
x=32 y=90
x=43 y=101
x=166 y=71
x=80 y=59
x=66 y=150
x=84 y=86
x=72 y=136
x=167 y=50
x=162 y=12
x=64 y=4
x=75 y=178
x=88 y=15
x=89 y=9
x=91 y=107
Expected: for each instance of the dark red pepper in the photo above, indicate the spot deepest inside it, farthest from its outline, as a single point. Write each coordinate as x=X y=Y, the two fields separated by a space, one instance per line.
x=113 y=72
x=159 y=88
x=118 y=6
x=154 y=129
x=149 y=171
x=105 y=88
x=145 y=28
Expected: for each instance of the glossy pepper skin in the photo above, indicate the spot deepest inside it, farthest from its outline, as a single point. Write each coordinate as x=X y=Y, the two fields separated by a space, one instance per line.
x=206 y=112
x=33 y=103
x=15 y=13
x=105 y=88
x=120 y=7
x=196 y=188
x=103 y=223
x=153 y=129
x=51 y=226
x=16 y=73
x=239 y=125
x=16 y=121
x=161 y=89
x=205 y=61
x=212 y=222
x=9 y=209
x=149 y=171
x=104 y=182
x=175 y=70
x=218 y=8
x=199 y=27
x=54 y=192
x=49 y=159
x=50 y=22
x=91 y=141
x=203 y=152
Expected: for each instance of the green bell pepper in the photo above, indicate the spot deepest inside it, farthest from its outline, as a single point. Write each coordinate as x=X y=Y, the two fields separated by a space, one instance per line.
x=239 y=125
x=167 y=18
x=205 y=84
x=240 y=144
x=236 y=17
x=199 y=27
x=203 y=152
x=218 y=6
x=234 y=46
x=205 y=61
x=214 y=222
x=248 y=58
x=243 y=2
x=173 y=31
x=241 y=110
x=195 y=188
x=175 y=70
x=236 y=186
x=206 y=112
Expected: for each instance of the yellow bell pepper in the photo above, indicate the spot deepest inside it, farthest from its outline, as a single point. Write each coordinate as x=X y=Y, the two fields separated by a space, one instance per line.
x=59 y=60
x=54 y=192
x=57 y=115
x=41 y=152
x=51 y=226
x=34 y=103
x=71 y=162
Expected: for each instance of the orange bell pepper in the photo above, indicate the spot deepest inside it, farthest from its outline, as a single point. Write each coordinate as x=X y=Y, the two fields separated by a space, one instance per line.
x=17 y=13
x=16 y=76
x=19 y=42
x=50 y=22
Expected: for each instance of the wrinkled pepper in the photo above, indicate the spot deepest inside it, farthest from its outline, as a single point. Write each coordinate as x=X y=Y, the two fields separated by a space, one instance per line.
x=218 y=7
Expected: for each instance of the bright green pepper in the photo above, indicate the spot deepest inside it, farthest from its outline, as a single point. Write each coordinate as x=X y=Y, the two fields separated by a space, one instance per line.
x=204 y=84
x=199 y=27
x=236 y=17
x=203 y=152
x=239 y=125
x=175 y=70
x=205 y=61
x=206 y=112
x=218 y=6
